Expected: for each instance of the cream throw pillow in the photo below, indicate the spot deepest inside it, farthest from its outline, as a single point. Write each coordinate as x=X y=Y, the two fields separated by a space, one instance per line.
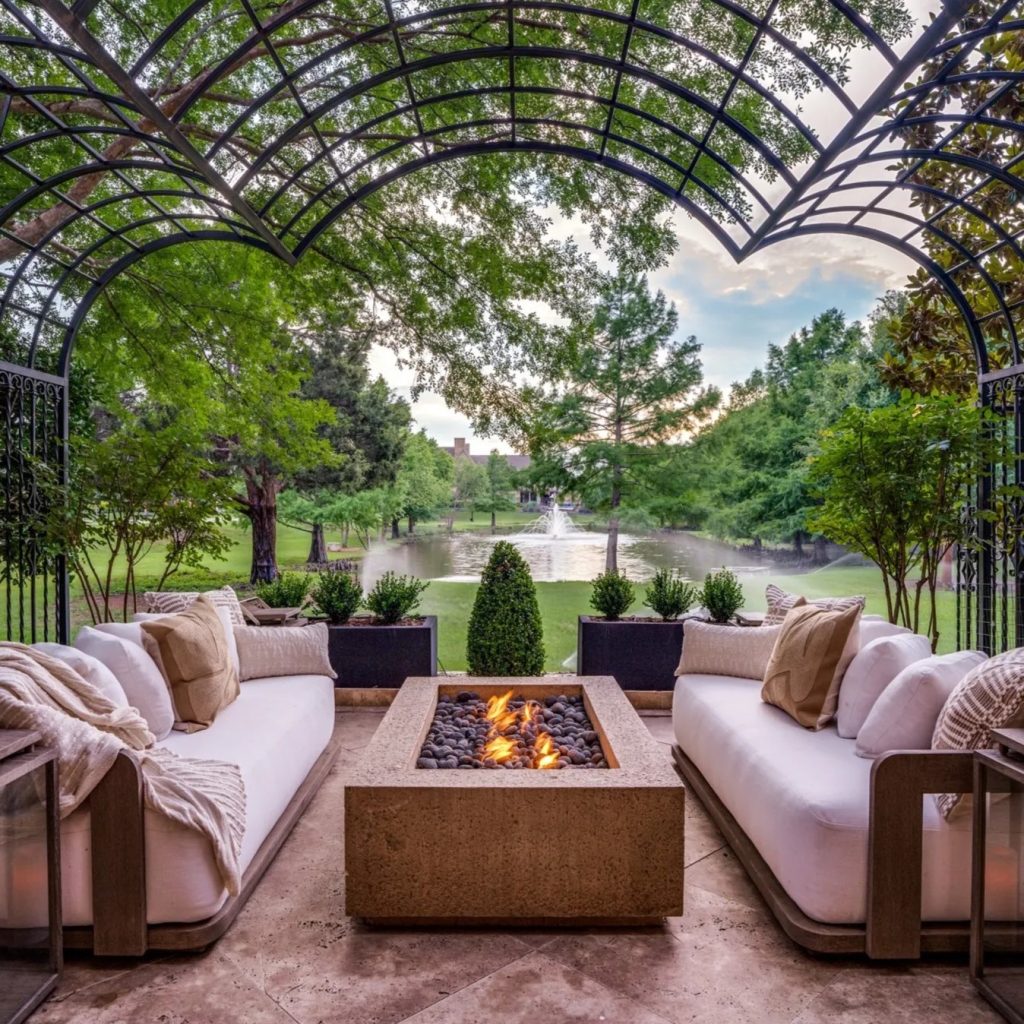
x=811 y=654
x=904 y=716
x=284 y=651
x=91 y=669
x=196 y=663
x=875 y=666
x=990 y=696
x=711 y=650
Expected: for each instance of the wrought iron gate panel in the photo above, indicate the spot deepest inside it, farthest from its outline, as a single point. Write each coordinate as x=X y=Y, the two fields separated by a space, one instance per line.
x=34 y=596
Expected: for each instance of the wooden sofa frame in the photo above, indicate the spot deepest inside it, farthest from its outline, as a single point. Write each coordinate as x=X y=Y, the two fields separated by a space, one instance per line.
x=893 y=930
x=119 y=925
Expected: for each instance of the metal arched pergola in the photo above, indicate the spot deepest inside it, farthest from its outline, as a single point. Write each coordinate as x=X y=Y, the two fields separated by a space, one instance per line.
x=127 y=128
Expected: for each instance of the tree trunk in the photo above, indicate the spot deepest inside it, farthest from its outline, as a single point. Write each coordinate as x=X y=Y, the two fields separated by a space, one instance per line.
x=317 y=546
x=395 y=534
x=412 y=525
x=471 y=513
x=494 y=521
x=820 y=551
x=345 y=535
x=798 y=544
x=260 y=505
x=758 y=546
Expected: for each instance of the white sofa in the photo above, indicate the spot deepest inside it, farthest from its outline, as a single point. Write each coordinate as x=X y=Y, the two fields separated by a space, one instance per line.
x=131 y=879
x=805 y=815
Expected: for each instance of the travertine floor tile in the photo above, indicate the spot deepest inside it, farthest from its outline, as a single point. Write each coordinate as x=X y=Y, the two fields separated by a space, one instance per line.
x=535 y=989
x=702 y=835
x=722 y=873
x=660 y=727
x=721 y=961
x=185 y=990
x=873 y=995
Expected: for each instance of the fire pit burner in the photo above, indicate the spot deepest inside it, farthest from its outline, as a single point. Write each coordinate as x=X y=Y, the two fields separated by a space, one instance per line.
x=511 y=731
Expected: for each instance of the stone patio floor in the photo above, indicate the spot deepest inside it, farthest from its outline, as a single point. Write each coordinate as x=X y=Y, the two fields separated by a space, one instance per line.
x=293 y=956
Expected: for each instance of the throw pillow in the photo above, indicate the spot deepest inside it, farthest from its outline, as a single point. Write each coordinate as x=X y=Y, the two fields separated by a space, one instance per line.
x=871 y=671
x=223 y=614
x=811 y=654
x=91 y=669
x=990 y=696
x=170 y=602
x=196 y=663
x=781 y=601
x=904 y=716
x=138 y=674
x=712 y=650
x=284 y=651
x=874 y=627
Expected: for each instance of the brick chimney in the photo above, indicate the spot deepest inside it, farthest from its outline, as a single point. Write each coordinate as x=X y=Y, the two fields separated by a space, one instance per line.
x=461 y=448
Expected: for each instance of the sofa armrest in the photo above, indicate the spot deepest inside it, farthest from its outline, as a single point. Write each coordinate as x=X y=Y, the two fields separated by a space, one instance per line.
x=119 y=861
x=899 y=781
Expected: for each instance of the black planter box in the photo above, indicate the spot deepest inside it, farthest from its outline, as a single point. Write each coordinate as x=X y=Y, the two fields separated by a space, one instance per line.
x=640 y=654
x=383 y=656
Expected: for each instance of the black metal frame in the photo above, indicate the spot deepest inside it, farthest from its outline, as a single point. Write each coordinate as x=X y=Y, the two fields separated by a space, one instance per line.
x=385 y=100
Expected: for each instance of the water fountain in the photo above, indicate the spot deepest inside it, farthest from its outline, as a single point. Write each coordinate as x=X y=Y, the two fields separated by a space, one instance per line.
x=553 y=524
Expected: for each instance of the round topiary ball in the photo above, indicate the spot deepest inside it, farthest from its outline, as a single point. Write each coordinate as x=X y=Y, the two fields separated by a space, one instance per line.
x=505 y=636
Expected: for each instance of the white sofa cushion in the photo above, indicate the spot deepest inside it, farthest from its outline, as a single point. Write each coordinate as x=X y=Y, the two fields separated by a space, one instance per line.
x=905 y=714
x=871 y=671
x=274 y=732
x=91 y=669
x=140 y=678
x=803 y=797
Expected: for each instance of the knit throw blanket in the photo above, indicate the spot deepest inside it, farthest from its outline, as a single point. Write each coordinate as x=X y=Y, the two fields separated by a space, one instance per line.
x=87 y=731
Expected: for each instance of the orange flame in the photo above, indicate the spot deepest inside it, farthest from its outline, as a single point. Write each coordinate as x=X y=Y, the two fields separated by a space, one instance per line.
x=544 y=750
x=498 y=713
x=499 y=748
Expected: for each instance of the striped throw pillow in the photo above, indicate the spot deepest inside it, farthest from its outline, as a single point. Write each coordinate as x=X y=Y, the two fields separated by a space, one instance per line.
x=169 y=602
x=989 y=697
x=781 y=601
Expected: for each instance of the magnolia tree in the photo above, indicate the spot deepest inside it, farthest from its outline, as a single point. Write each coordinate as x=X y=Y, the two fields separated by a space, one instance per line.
x=892 y=483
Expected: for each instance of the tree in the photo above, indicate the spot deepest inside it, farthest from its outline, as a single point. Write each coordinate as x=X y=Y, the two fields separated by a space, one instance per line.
x=141 y=484
x=892 y=481
x=629 y=387
x=425 y=479
x=505 y=634
x=497 y=484
x=471 y=482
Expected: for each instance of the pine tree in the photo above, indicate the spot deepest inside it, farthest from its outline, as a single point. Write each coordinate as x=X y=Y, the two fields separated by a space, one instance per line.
x=505 y=632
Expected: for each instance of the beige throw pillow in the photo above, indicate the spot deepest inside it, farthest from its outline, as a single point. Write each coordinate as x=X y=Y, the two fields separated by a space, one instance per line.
x=811 y=654
x=196 y=663
x=711 y=650
x=989 y=697
x=283 y=651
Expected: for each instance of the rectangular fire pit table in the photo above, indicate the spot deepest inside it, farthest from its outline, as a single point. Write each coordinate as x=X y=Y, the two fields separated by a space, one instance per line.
x=526 y=847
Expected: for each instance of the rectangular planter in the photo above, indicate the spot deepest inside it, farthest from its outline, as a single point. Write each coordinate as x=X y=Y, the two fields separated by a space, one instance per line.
x=641 y=655
x=383 y=656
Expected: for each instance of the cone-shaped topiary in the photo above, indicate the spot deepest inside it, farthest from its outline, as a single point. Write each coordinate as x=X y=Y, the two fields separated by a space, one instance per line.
x=505 y=632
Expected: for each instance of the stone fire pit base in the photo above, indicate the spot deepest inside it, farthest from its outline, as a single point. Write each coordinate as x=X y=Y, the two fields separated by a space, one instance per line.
x=527 y=847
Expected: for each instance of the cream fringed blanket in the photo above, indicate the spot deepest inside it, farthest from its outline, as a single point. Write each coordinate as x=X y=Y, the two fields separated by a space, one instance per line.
x=88 y=731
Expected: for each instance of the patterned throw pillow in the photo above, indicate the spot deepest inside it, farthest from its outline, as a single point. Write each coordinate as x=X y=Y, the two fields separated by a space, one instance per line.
x=170 y=602
x=781 y=601
x=989 y=697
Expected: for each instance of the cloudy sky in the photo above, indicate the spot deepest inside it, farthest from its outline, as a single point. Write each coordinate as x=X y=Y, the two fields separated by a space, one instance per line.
x=736 y=311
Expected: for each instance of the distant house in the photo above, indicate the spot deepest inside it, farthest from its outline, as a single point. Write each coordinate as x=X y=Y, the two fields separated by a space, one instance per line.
x=460 y=450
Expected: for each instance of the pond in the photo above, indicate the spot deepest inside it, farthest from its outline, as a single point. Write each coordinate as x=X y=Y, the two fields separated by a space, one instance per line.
x=460 y=557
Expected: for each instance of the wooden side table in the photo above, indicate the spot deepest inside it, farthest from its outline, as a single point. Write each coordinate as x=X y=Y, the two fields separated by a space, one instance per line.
x=997 y=884
x=31 y=941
